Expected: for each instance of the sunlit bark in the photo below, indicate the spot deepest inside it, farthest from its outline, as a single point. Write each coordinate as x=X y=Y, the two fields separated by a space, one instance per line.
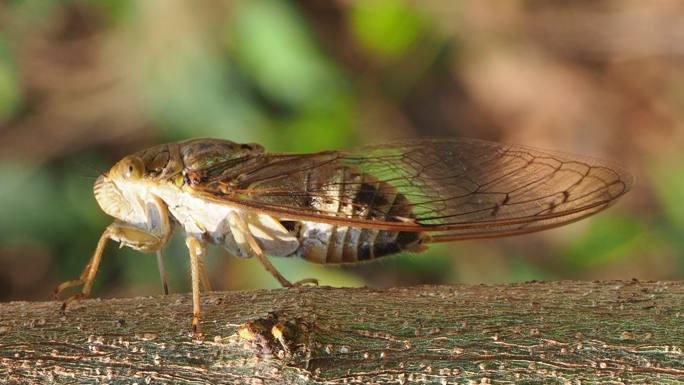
x=556 y=332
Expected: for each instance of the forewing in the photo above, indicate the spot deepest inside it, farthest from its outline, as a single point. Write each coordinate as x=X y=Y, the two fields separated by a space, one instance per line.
x=456 y=188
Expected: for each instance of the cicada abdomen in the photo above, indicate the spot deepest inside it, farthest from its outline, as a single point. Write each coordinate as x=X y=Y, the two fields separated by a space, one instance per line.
x=348 y=192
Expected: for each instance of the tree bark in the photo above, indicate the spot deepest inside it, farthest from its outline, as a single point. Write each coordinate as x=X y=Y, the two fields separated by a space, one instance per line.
x=535 y=332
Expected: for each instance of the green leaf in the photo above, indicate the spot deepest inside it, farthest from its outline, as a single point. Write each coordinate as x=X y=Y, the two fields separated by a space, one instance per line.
x=669 y=183
x=606 y=239
x=10 y=94
x=387 y=27
x=323 y=127
x=522 y=270
x=116 y=10
x=273 y=46
x=29 y=202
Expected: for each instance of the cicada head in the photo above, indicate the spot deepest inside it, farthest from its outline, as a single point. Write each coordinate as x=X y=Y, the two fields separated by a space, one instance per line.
x=123 y=191
x=118 y=191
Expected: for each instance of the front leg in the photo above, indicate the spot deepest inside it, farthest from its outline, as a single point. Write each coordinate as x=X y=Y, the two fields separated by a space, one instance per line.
x=127 y=235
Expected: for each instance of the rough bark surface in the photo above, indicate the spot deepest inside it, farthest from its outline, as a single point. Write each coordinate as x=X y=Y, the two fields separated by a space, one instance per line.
x=535 y=332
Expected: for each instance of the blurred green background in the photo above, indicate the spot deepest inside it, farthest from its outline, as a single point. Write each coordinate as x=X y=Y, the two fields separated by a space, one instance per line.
x=83 y=83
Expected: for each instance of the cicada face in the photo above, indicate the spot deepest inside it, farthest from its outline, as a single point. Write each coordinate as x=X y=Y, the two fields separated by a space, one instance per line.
x=120 y=192
x=125 y=190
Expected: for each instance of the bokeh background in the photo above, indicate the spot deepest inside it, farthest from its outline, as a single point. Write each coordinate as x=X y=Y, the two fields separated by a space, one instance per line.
x=83 y=83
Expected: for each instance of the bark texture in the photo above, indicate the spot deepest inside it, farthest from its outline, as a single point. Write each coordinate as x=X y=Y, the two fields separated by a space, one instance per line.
x=536 y=332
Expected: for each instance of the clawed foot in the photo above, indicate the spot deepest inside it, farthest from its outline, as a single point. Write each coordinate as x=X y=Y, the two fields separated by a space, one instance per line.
x=65 y=285
x=67 y=301
x=195 y=324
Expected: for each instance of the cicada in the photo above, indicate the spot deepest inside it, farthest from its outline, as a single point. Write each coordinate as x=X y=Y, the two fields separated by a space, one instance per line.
x=336 y=207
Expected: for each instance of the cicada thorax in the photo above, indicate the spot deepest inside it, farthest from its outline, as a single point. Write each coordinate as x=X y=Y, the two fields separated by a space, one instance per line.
x=210 y=161
x=350 y=192
x=206 y=154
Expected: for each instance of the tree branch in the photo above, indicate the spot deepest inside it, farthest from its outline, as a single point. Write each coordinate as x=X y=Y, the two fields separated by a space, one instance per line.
x=552 y=332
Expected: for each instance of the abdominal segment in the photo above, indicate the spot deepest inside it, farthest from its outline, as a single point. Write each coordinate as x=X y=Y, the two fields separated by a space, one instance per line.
x=360 y=195
x=334 y=244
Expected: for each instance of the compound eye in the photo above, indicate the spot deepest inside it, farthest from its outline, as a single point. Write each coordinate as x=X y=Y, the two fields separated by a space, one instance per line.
x=132 y=168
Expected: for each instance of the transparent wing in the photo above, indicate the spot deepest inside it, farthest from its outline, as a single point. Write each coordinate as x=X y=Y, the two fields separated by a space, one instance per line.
x=455 y=188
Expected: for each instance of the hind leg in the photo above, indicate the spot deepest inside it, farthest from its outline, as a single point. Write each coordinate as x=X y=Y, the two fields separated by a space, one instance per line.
x=243 y=236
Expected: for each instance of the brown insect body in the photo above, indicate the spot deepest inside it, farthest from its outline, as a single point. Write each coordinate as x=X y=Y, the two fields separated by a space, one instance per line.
x=341 y=206
x=365 y=197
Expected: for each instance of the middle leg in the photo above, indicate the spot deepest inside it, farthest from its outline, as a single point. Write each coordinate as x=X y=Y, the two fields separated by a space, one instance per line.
x=204 y=277
x=162 y=272
x=197 y=249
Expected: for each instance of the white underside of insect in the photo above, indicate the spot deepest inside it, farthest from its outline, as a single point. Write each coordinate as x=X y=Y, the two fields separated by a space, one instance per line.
x=215 y=223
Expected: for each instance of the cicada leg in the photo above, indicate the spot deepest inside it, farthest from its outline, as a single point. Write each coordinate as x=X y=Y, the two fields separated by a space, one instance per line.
x=88 y=275
x=157 y=213
x=237 y=223
x=125 y=234
x=162 y=272
x=204 y=277
x=197 y=249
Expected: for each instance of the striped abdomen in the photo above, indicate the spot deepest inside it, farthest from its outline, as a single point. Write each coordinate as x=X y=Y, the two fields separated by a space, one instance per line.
x=360 y=195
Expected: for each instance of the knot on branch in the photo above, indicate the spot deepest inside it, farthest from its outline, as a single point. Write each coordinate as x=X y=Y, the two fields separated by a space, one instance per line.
x=278 y=335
